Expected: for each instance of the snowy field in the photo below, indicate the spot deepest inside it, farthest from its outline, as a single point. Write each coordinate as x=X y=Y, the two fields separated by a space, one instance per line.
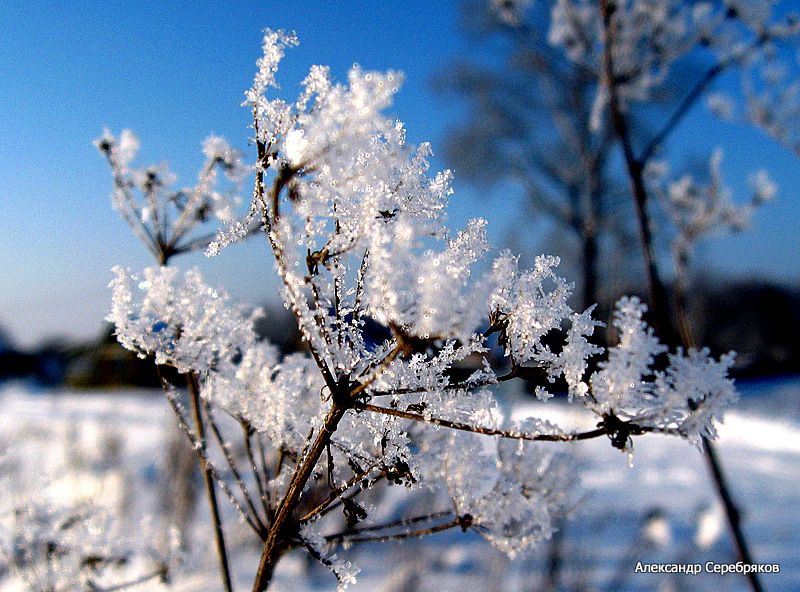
x=69 y=447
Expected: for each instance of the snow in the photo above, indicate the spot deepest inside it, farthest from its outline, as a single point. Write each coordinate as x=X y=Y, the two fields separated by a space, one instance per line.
x=662 y=509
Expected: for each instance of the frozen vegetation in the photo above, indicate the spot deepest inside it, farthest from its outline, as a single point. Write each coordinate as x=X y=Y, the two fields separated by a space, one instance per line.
x=108 y=448
x=400 y=418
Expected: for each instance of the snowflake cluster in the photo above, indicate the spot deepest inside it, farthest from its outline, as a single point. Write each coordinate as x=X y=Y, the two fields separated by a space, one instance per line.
x=356 y=225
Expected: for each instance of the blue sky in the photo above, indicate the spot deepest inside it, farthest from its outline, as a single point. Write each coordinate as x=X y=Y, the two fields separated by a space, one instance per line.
x=176 y=72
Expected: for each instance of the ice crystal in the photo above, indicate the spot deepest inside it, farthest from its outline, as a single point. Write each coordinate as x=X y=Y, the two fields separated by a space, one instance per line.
x=397 y=313
x=532 y=303
x=179 y=320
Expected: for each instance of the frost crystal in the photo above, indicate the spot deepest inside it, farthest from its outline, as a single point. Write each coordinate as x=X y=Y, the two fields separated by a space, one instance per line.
x=179 y=320
x=397 y=313
x=531 y=303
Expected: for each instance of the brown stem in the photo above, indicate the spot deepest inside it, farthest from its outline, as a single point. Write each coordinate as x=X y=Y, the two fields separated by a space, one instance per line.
x=712 y=460
x=234 y=468
x=219 y=537
x=402 y=535
x=513 y=434
x=277 y=540
x=337 y=493
x=393 y=524
x=263 y=493
x=731 y=512
x=589 y=263
x=378 y=371
x=659 y=300
x=682 y=297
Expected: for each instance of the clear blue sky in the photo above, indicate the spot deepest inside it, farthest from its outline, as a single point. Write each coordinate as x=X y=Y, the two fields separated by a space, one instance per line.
x=175 y=72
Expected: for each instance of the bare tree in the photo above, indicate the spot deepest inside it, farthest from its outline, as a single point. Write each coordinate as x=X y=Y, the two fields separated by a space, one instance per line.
x=529 y=123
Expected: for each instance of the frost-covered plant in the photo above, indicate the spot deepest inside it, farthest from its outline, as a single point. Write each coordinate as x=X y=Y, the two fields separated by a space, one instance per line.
x=52 y=547
x=166 y=219
x=697 y=210
x=636 y=51
x=55 y=539
x=355 y=223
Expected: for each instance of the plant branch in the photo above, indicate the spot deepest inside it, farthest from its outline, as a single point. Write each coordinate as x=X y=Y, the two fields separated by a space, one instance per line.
x=393 y=524
x=606 y=427
x=659 y=299
x=398 y=536
x=219 y=536
x=278 y=537
x=338 y=492
x=234 y=468
x=263 y=493
x=694 y=94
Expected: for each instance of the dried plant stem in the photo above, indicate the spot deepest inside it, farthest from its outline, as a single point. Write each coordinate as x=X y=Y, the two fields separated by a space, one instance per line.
x=277 y=540
x=658 y=293
x=338 y=492
x=232 y=465
x=394 y=524
x=263 y=492
x=219 y=536
x=712 y=460
x=408 y=534
x=603 y=430
x=158 y=573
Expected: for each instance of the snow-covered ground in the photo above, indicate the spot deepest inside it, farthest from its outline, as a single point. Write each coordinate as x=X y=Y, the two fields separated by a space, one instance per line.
x=72 y=446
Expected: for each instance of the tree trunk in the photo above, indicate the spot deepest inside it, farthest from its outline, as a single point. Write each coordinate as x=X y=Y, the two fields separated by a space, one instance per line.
x=589 y=262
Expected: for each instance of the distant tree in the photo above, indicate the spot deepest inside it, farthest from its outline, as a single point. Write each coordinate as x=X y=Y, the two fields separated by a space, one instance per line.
x=543 y=114
x=634 y=51
x=530 y=123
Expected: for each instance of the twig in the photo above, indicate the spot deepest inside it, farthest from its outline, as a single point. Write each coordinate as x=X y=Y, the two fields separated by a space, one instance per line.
x=337 y=493
x=512 y=434
x=234 y=468
x=384 y=364
x=365 y=484
x=202 y=454
x=275 y=542
x=159 y=573
x=393 y=524
x=658 y=292
x=635 y=168
x=399 y=536
x=219 y=536
x=263 y=493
